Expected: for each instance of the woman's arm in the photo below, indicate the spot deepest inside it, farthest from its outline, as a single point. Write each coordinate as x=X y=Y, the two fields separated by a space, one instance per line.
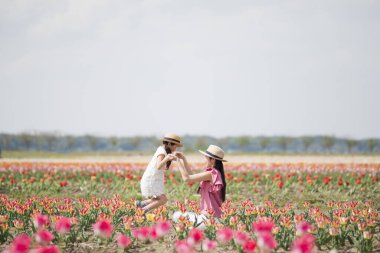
x=186 y=165
x=162 y=160
x=198 y=177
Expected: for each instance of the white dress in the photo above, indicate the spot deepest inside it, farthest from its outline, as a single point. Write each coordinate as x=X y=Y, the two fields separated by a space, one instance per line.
x=152 y=182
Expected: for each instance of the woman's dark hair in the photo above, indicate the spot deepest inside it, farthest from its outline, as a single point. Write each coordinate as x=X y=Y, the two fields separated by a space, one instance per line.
x=219 y=167
x=168 y=151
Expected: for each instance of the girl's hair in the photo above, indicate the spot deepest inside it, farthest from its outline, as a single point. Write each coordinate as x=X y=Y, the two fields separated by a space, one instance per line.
x=219 y=167
x=168 y=151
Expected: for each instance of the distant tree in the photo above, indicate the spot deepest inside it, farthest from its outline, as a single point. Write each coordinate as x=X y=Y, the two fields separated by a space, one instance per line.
x=51 y=141
x=307 y=141
x=4 y=142
x=40 y=141
x=114 y=142
x=135 y=141
x=200 y=143
x=70 y=142
x=284 y=142
x=26 y=139
x=264 y=142
x=243 y=142
x=372 y=143
x=350 y=144
x=92 y=141
x=328 y=142
x=156 y=141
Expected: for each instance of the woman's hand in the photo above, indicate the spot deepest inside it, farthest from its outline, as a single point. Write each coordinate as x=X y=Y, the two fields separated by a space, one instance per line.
x=180 y=155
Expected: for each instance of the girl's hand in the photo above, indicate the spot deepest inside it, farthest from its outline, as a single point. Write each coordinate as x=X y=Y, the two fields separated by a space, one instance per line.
x=170 y=157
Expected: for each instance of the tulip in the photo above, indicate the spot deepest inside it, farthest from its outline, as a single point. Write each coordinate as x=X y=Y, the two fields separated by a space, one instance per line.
x=103 y=228
x=224 y=235
x=123 y=241
x=44 y=236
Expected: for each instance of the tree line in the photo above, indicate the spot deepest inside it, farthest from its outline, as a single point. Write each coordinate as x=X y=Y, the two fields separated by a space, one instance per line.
x=55 y=142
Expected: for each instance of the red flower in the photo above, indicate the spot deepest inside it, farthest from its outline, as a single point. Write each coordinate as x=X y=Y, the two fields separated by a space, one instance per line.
x=303 y=228
x=103 y=228
x=123 y=241
x=63 y=226
x=304 y=244
x=225 y=235
x=44 y=236
x=153 y=234
x=63 y=183
x=40 y=220
x=249 y=246
x=240 y=237
x=266 y=241
x=141 y=233
x=183 y=246
x=163 y=228
x=208 y=245
x=20 y=244
x=195 y=236
x=263 y=226
x=47 y=249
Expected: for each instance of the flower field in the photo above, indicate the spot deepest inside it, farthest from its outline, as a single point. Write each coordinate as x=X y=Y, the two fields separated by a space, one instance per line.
x=277 y=207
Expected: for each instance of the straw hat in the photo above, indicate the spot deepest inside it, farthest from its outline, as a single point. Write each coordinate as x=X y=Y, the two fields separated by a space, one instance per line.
x=172 y=138
x=214 y=152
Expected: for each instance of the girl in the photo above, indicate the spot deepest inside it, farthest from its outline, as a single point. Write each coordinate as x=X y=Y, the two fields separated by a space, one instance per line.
x=212 y=186
x=152 y=182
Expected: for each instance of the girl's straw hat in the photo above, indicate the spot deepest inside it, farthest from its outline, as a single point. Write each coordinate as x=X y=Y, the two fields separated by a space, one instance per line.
x=214 y=152
x=172 y=138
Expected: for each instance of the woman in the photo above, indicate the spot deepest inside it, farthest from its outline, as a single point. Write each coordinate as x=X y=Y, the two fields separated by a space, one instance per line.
x=152 y=182
x=212 y=181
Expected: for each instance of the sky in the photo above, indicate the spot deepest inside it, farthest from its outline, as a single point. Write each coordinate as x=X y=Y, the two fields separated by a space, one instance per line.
x=219 y=68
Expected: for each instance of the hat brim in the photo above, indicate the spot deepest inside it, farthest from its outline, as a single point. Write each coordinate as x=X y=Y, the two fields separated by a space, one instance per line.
x=205 y=154
x=176 y=143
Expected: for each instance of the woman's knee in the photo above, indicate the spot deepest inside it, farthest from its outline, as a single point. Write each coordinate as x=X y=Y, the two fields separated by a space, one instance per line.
x=163 y=199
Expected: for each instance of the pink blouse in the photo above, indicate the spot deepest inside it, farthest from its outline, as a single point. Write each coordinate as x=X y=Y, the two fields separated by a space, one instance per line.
x=211 y=194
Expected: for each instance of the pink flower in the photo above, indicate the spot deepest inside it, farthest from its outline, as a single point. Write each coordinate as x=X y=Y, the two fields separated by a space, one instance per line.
x=225 y=235
x=123 y=241
x=46 y=249
x=153 y=235
x=303 y=244
x=141 y=233
x=163 y=228
x=103 y=228
x=209 y=245
x=183 y=246
x=240 y=237
x=40 y=220
x=20 y=244
x=263 y=226
x=249 y=246
x=266 y=241
x=44 y=236
x=195 y=236
x=303 y=228
x=63 y=226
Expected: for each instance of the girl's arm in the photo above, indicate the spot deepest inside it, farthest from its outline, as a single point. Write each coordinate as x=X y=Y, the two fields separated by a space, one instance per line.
x=162 y=160
x=198 y=177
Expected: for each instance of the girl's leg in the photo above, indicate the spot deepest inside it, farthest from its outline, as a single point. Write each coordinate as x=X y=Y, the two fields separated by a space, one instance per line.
x=142 y=203
x=161 y=200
